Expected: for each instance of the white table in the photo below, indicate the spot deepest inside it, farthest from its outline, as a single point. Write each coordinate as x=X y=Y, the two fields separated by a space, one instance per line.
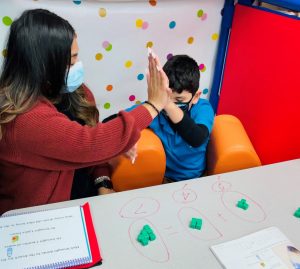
x=272 y=191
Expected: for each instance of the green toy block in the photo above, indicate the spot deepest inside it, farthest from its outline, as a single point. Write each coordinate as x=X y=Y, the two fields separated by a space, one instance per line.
x=193 y=223
x=196 y=223
x=297 y=213
x=199 y=224
x=152 y=236
x=147 y=228
x=145 y=235
x=242 y=204
x=141 y=237
x=144 y=242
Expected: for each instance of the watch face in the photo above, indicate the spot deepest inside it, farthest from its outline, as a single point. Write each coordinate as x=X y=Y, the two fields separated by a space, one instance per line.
x=106 y=184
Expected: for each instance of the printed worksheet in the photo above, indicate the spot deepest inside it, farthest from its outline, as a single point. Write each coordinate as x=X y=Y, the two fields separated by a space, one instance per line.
x=265 y=249
x=49 y=239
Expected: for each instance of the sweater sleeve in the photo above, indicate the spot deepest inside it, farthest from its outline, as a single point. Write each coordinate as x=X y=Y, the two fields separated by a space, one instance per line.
x=100 y=170
x=47 y=139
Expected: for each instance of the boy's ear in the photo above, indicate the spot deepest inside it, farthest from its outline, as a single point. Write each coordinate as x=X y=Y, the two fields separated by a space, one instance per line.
x=196 y=97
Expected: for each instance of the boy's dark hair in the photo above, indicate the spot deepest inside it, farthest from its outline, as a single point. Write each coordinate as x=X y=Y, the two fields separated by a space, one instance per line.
x=183 y=73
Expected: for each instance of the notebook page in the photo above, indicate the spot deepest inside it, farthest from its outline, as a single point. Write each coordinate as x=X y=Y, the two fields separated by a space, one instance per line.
x=53 y=239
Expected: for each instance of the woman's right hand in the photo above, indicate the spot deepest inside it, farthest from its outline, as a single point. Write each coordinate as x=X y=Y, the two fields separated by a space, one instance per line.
x=158 y=84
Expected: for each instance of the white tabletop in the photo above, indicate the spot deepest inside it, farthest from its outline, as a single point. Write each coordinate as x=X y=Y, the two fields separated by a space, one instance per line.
x=272 y=192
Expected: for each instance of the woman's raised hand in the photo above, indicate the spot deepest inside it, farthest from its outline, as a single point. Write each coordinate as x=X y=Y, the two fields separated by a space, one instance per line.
x=158 y=84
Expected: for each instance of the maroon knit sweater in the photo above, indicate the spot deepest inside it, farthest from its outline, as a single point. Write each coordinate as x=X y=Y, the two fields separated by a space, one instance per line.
x=41 y=149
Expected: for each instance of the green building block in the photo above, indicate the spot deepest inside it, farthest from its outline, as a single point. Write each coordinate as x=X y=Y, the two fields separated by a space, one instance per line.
x=297 y=213
x=147 y=228
x=242 y=204
x=144 y=242
x=142 y=237
x=196 y=223
x=152 y=236
x=145 y=235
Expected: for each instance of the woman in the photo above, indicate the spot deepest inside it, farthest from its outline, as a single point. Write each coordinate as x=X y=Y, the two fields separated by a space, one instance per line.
x=40 y=147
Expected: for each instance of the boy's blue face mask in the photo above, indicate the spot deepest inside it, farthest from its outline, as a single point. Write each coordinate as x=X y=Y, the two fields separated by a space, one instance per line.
x=75 y=78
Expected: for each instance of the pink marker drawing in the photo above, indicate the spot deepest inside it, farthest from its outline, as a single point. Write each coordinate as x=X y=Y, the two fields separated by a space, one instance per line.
x=229 y=198
x=139 y=207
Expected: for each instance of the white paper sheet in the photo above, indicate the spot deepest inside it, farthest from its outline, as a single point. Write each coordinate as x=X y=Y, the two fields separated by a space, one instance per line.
x=265 y=249
x=54 y=238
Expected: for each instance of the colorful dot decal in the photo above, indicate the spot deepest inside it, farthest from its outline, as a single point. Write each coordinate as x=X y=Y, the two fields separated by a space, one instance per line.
x=215 y=36
x=7 y=21
x=190 y=40
x=204 y=17
x=153 y=2
x=172 y=24
x=140 y=77
x=145 y=25
x=131 y=98
x=107 y=46
x=127 y=57
x=202 y=67
x=128 y=64
x=169 y=56
x=200 y=13
x=149 y=44
x=139 y=23
x=99 y=56
x=205 y=91
x=109 y=87
x=4 y=52
x=102 y=12
x=106 y=105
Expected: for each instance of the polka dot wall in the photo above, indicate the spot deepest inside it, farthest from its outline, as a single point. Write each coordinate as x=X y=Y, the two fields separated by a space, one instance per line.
x=113 y=40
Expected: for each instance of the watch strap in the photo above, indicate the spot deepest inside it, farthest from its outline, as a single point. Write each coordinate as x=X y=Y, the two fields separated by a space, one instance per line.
x=103 y=181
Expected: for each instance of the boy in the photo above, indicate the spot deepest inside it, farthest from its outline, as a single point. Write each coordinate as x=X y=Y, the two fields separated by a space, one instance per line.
x=185 y=124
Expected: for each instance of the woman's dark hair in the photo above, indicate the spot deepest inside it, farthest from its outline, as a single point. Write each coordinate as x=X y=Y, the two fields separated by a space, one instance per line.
x=183 y=73
x=78 y=106
x=37 y=60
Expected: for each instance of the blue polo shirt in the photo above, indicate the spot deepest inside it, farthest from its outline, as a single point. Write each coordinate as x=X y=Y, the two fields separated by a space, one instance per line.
x=184 y=161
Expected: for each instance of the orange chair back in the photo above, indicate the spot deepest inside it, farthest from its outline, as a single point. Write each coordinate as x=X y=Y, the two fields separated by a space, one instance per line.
x=148 y=169
x=230 y=148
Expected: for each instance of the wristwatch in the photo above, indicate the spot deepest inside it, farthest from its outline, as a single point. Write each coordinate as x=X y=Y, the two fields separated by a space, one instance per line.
x=103 y=181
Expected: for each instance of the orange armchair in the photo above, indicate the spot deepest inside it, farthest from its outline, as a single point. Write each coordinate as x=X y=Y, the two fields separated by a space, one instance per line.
x=229 y=149
x=149 y=166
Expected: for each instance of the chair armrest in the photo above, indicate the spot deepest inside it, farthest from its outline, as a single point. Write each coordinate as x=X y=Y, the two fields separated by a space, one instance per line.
x=229 y=148
x=148 y=169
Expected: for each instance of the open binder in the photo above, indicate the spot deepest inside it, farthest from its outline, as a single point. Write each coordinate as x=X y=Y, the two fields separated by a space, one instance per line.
x=52 y=239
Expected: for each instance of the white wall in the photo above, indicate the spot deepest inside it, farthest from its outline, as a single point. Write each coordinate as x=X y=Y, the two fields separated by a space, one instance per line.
x=116 y=22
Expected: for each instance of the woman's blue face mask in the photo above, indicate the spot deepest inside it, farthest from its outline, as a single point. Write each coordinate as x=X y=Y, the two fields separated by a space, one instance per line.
x=75 y=77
